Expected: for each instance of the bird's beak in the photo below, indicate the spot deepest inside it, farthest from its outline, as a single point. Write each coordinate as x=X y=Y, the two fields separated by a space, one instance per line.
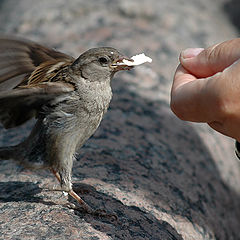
x=118 y=64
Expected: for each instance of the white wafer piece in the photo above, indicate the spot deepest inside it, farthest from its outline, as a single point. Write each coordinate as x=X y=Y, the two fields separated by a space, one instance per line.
x=137 y=60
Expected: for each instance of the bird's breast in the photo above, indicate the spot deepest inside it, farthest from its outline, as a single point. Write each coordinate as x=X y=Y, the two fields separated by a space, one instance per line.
x=94 y=97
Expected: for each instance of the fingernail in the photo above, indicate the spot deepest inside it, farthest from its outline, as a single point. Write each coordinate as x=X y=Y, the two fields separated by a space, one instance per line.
x=191 y=52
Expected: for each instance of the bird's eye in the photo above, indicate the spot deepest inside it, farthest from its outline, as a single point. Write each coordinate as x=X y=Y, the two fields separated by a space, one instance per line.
x=103 y=60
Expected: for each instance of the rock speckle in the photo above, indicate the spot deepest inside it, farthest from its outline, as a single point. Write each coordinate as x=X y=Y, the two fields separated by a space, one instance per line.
x=164 y=178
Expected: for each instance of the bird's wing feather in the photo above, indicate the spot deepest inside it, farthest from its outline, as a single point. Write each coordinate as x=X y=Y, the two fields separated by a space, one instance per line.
x=27 y=70
x=19 y=105
x=19 y=58
x=48 y=71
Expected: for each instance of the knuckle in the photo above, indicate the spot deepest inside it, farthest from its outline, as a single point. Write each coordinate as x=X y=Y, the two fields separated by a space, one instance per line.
x=213 y=53
x=223 y=107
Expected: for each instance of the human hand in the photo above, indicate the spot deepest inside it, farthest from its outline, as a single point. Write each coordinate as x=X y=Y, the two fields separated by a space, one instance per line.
x=206 y=87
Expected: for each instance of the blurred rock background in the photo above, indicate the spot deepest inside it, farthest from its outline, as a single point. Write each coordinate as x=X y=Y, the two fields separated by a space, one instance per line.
x=163 y=178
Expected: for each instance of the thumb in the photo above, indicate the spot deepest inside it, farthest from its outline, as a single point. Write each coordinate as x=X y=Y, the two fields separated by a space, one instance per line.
x=206 y=62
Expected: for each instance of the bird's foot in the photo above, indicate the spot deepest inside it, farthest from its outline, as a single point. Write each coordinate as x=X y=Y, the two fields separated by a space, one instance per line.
x=84 y=207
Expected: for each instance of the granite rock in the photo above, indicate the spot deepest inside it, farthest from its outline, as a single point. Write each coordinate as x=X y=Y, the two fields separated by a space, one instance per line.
x=163 y=178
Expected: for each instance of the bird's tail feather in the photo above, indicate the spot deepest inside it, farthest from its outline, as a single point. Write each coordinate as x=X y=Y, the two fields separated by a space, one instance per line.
x=16 y=154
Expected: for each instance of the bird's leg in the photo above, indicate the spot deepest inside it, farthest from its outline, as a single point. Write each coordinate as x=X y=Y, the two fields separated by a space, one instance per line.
x=84 y=205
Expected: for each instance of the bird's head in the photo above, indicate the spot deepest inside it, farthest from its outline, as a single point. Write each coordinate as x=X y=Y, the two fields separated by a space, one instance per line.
x=100 y=64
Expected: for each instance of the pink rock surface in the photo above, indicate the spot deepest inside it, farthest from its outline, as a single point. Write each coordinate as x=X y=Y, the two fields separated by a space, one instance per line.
x=163 y=178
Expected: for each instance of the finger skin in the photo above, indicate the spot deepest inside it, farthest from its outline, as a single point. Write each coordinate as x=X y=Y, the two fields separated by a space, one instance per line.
x=213 y=59
x=229 y=93
x=190 y=98
x=214 y=100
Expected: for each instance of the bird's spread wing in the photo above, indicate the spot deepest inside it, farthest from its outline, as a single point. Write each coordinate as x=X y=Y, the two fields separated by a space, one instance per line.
x=28 y=73
x=19 y=58
x=19 y=105
x=49 y=71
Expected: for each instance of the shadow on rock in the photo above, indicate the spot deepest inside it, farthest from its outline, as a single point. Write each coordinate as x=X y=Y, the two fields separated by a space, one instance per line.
x=131 y=223
x=21 y=192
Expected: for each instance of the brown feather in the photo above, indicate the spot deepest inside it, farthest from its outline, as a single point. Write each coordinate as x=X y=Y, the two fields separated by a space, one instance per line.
x=14 y=71
x=47 y=71
x=18 y=57
x=19 y=105
x=27 y=75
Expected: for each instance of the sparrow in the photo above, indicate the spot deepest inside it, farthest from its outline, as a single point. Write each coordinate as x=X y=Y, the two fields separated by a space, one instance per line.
x=67 y=96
